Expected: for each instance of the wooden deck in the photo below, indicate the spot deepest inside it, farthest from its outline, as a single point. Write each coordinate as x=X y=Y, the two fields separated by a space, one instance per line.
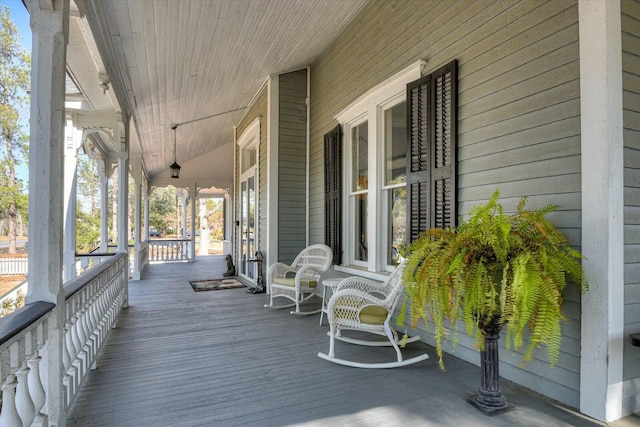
x=219 y=358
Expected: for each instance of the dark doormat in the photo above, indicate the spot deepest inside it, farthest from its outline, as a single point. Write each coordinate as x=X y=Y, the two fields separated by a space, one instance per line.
x=215 y=284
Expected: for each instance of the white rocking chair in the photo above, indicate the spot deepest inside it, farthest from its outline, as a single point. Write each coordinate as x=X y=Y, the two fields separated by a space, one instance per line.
x=361 y=304
x=298 y=281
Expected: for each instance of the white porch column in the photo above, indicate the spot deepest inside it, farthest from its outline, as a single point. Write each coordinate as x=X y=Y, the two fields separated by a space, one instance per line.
x=146 y=211
x=185 y=198
x=193 y=192
x=50 y=34
x=137 y=216
x=73 y=139
x=602 y=208
x=103 y=171
x=123 y=200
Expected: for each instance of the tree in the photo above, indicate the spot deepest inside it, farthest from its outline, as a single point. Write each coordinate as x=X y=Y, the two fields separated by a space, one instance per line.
x=87 y=211
x=15 y=66
x=162 y=208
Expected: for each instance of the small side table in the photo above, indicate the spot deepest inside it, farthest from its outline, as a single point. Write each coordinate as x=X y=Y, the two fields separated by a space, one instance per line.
x=331 y=284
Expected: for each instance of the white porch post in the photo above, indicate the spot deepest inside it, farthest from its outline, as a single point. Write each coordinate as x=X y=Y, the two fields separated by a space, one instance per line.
x=50 y=34
x=193 y=192
x=103 y=169
x=602 y=208
x=137 y=216
x=73 y=139
x=146 y=211
x=185 y=198
x=123 y=199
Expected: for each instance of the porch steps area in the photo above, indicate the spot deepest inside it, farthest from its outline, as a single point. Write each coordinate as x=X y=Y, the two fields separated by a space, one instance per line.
x=219 y=358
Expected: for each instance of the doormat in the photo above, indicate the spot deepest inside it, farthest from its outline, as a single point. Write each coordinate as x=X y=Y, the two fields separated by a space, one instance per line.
x=215 y=285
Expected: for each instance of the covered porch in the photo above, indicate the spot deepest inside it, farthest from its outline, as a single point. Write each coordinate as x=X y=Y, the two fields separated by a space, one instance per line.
x=184 y=358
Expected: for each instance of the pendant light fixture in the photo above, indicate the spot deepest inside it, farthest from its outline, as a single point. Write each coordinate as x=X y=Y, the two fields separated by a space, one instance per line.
x=175 y=167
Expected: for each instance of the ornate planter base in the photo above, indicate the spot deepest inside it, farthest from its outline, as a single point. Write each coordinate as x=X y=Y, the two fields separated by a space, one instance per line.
x=489 y=398
x=490 y=407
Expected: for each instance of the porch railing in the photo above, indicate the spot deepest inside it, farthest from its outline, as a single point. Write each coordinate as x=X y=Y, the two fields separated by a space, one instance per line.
x=169 y=250
x=93 y=302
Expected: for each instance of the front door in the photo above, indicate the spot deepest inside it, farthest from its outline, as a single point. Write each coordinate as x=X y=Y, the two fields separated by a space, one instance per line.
x=247 y=226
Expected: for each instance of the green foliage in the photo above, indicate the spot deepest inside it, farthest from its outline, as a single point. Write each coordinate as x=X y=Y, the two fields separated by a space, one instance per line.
x=87 y=231
x=510 y=268
x=15 y=67
x=162 y=208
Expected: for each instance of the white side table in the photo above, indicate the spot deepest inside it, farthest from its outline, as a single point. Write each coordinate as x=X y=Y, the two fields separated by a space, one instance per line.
x=331 y=284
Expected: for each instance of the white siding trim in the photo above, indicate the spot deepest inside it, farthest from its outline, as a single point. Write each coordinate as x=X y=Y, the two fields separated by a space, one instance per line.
x=273 y=119
x=602 y=209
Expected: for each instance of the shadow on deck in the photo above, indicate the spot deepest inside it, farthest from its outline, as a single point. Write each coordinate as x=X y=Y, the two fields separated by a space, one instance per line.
x=181 y=358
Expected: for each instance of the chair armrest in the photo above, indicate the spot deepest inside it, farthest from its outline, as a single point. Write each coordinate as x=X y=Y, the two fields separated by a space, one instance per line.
x=307 y=272
x=363 y=284
x=279 y=269
x=354 y=300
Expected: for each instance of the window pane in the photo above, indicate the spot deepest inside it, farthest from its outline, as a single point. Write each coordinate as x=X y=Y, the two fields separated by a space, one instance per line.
x=395 y=144
x=360 y=237
x=360 y=156
x=397 y=223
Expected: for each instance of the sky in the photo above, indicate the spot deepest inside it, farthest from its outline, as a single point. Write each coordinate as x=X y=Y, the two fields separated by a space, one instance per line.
x=20 y=18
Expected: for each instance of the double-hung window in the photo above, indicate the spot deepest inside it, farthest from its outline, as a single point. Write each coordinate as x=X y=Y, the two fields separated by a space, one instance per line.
x=394 y=157
x=374 y=174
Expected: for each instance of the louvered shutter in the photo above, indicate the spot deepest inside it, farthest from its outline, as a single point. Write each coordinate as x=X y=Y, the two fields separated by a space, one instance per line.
x=431 y=151
x=443 y=158
x=418 y=154
x=333 y=192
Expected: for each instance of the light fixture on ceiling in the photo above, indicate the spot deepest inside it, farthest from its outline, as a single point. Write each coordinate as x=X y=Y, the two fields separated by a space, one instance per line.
x=175 y=167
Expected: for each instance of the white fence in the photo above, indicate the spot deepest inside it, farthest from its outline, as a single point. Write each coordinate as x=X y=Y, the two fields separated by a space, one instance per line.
x=12 y=266
x=169 y=250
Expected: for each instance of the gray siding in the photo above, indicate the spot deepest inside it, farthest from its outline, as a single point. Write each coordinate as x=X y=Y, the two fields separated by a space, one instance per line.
x=631 y=119
x=292 y=165
x=519 y=124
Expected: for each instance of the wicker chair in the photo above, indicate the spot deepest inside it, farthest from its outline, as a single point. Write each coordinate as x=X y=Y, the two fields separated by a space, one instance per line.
x=298 y=281
x=361 y=304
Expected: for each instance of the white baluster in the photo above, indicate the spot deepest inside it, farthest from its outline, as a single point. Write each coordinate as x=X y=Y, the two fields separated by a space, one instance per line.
x=24 y=404
x=35 y=384
x=9 y=415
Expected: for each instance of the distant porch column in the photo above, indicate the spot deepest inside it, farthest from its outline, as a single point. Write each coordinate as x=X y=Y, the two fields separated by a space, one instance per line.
x=185 y=198
x=123 y=198
x=73 y=139
x=146 y=211
x=193 y=192
x=137 y=216
x=50 y=34
x=104 y=170
x=601 y=360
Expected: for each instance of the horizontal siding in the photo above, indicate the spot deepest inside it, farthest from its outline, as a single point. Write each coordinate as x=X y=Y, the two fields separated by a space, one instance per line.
x=518 y=118
x=292 y=160
x=631 y=121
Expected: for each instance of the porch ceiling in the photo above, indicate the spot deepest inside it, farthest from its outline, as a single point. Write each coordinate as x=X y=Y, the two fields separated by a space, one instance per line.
x=173 y=62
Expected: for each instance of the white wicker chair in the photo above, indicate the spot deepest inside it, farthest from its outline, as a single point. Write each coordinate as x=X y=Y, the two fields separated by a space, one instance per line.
x=298 y=281
x=361 y=304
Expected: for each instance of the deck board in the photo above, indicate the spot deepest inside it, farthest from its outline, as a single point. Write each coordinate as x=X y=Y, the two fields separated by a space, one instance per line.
x=184 y=358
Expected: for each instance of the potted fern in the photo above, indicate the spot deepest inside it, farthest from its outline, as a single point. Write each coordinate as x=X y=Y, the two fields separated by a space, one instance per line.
x=494 y=271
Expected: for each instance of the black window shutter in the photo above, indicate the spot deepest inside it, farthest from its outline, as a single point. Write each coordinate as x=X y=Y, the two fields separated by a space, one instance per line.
x=431 y=151
x=333 y=192
x=443 y=155
x=418 y=154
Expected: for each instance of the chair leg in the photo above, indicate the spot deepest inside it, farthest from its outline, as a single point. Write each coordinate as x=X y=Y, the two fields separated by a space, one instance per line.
x=393 y=338
x=332 y=331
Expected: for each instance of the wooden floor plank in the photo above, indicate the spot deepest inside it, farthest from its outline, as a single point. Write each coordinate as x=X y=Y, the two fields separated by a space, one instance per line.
x=185 y=358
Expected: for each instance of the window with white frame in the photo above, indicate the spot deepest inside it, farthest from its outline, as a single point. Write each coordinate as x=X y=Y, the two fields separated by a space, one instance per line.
x=375 y=150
